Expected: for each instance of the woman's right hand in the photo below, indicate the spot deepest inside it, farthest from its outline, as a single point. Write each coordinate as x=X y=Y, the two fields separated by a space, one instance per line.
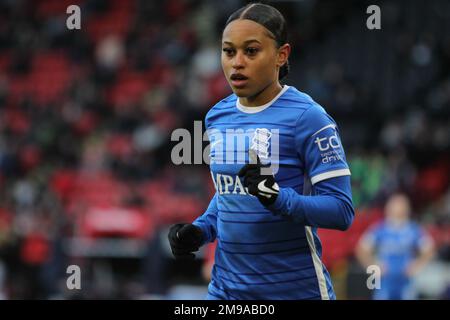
x=184 y=239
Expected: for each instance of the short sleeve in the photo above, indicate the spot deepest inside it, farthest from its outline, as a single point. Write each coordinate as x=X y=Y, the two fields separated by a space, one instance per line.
x=319 y=145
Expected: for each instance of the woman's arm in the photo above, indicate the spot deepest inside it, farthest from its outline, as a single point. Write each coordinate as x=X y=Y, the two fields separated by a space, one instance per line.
x=207 y=222
x=329 y=206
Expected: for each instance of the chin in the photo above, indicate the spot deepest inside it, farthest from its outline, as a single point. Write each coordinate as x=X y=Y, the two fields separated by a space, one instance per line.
x=241 y=92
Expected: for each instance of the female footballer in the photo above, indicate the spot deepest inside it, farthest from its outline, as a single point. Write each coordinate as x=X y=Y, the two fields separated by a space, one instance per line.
x=273 y=191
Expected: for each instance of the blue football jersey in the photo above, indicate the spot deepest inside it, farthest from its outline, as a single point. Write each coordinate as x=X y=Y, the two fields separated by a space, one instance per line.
x=395 y=247
x=276 y=253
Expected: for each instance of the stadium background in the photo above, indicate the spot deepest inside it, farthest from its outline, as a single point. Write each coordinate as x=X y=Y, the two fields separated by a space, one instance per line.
x=86 y=118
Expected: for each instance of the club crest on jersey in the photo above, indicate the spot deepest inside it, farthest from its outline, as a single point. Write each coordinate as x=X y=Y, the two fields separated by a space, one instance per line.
x=261 y=143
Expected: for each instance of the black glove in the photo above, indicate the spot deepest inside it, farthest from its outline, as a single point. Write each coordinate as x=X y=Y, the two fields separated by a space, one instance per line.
x=263 y=187
x=185 y=238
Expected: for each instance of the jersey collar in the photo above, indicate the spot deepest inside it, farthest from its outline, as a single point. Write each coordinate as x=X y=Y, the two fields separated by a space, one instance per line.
x=262 y=107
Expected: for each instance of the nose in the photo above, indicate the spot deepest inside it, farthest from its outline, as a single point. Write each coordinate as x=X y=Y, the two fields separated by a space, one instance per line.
x=238 y=60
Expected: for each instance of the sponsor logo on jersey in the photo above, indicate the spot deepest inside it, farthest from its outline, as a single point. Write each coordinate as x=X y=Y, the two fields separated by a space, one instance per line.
x=328 y=143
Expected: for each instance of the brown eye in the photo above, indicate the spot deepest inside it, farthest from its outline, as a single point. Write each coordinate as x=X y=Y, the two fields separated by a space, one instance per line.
x=251 y=51
x=228 y=51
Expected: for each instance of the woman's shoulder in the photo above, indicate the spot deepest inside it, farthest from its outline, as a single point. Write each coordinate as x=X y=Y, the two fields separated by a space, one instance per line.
x=303 y=102
x=226 y=105
x=294 y=95
x=226 y=102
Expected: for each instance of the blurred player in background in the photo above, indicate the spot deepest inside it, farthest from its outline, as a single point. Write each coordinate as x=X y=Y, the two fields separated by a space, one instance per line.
x=266 y=224
x=399 y=246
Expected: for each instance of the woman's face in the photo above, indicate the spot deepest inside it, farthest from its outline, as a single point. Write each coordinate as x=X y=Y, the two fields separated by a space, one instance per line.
x=250 y=58
x=397 y=209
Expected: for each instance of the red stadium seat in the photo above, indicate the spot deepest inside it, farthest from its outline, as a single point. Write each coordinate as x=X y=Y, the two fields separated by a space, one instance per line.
x=129 y=88
x=115 y=222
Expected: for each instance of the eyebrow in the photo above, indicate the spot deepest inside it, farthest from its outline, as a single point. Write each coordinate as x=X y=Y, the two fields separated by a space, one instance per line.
x=245 y=42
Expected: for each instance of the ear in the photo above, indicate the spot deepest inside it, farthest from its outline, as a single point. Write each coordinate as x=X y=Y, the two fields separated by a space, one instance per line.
x=283 y=54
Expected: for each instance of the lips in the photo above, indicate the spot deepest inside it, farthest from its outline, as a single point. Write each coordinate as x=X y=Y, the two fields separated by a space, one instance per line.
x=238 y=80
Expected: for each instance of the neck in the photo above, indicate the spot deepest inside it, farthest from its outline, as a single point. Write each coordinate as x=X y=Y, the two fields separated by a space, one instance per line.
x=395 y=222
x=263 y=96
